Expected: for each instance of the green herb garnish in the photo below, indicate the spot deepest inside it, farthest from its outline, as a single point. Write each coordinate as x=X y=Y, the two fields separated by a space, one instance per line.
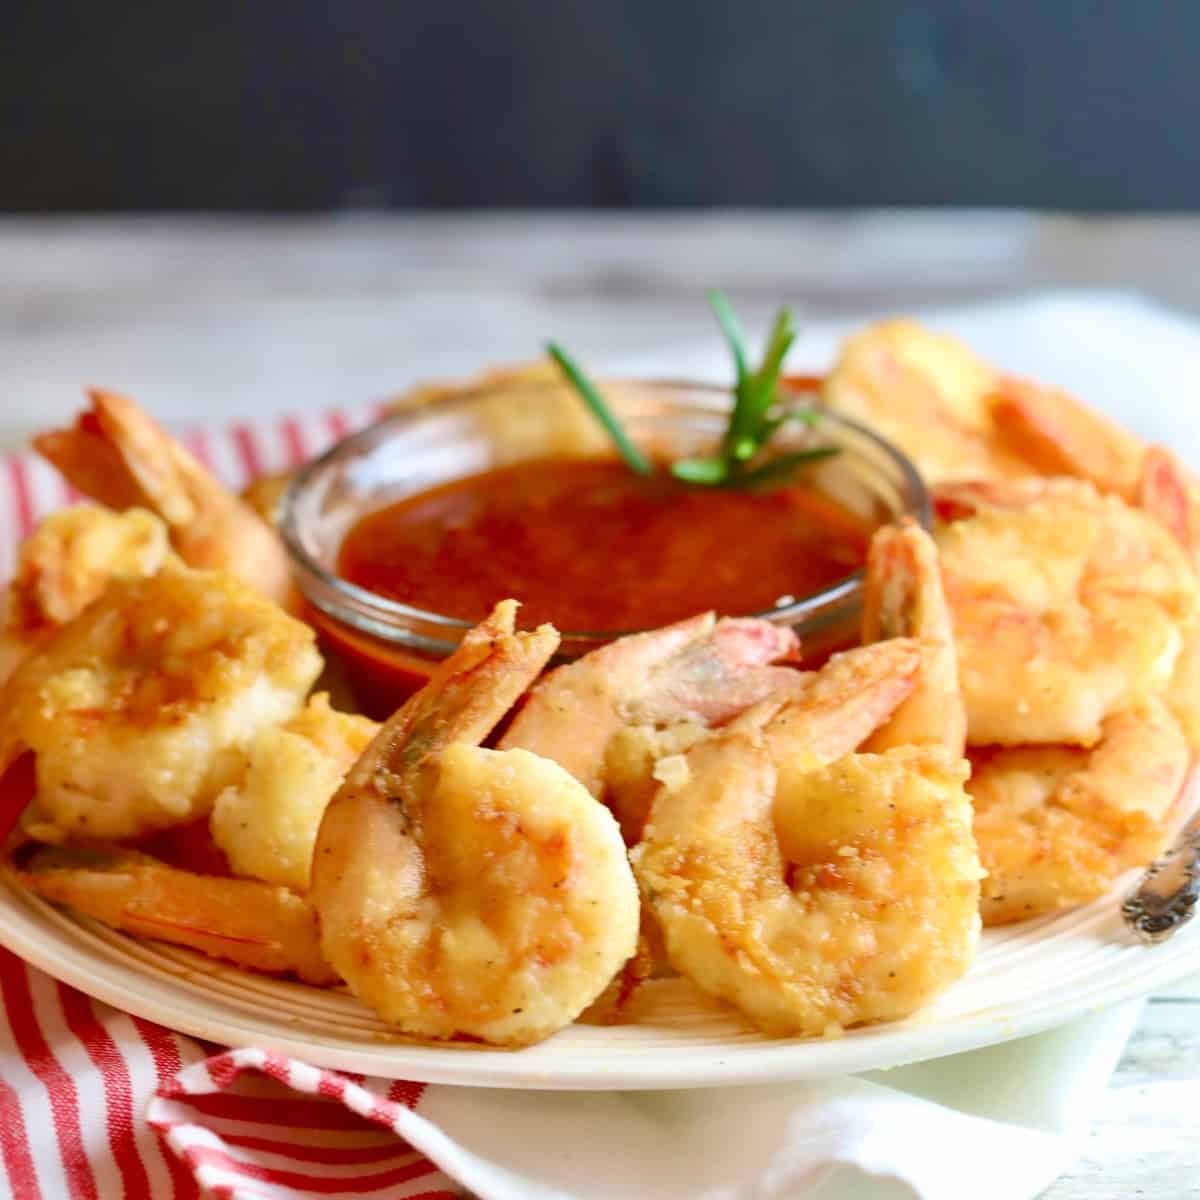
x=635 y=460
x=753 y=420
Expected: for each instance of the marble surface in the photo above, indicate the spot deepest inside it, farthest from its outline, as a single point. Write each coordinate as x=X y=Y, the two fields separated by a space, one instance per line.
x=209 y=318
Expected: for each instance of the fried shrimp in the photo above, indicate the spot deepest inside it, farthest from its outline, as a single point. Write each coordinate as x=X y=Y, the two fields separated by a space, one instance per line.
x=1067 y=606
x=1057 y=435
x=701 y=671
x=846 y=895
x=266 y=824
x=471 y=891
x=609 y=716
x=1060 y=436
x=116 y=454
x=812 y=886
x=958 y=418
x=253 y=924
x=926 y=392
x=67 y=562
x=140 y=710
x=1056 y=825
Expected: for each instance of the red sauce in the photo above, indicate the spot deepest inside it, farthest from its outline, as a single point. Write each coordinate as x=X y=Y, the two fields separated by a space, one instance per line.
x=590 y=546
x=381 y=675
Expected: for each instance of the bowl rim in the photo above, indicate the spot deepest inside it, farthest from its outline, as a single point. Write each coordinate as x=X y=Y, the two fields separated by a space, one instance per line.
x=303 y=563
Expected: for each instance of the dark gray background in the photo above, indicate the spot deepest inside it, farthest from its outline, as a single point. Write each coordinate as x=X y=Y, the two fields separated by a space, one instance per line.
x=319 y=104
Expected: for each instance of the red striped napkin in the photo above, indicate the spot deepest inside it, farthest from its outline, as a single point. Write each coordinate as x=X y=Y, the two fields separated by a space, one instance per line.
x=95 y=1103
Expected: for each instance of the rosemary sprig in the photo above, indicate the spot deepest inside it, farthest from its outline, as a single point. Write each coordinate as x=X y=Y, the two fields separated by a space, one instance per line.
x=635 y=460
x=753 y=421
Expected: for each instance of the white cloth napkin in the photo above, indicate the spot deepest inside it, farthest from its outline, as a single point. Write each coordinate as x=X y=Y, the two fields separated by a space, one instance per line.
x=996 y=1124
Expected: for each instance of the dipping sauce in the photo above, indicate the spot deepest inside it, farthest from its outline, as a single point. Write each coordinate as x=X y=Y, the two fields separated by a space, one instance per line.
x=593 y=547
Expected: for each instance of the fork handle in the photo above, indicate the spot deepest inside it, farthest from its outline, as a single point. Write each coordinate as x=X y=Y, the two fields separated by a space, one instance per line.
x=1166 y=898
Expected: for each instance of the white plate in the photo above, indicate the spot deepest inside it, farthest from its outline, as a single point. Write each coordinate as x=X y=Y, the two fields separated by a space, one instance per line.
x=1027 y=978
x=1123 y=356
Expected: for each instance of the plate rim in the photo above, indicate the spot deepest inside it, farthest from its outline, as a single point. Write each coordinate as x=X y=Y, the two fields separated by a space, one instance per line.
x=534 y=1068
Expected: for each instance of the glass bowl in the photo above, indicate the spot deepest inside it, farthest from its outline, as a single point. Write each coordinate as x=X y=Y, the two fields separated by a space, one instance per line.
x=389 y=648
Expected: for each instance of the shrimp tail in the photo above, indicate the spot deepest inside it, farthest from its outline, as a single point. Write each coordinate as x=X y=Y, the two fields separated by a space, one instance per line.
x=257 y=925
x=903 y=597
x=851 y=697
x=700 y=670
x=116 y=454
x=467 y=695
x=721 y=673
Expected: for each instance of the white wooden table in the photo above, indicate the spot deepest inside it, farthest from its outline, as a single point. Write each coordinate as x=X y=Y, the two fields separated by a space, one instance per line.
x=205 y=318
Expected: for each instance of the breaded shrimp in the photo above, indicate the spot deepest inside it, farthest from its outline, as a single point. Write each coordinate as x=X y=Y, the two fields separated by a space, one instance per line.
x=116 y=454
x=1067 y=606
x=253 y=924
x=1057 y=435
x=1057 y=825
x=926 y=392
x=140 y=710
x=1183 y=691
x=266 y=824
x=848 y=894
x=701 y=670
x=812 y=886
x=609 y=716
x=502 y=380
x=809 y=885
x=67 y=562
x=958 y=418
x=471 y=891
